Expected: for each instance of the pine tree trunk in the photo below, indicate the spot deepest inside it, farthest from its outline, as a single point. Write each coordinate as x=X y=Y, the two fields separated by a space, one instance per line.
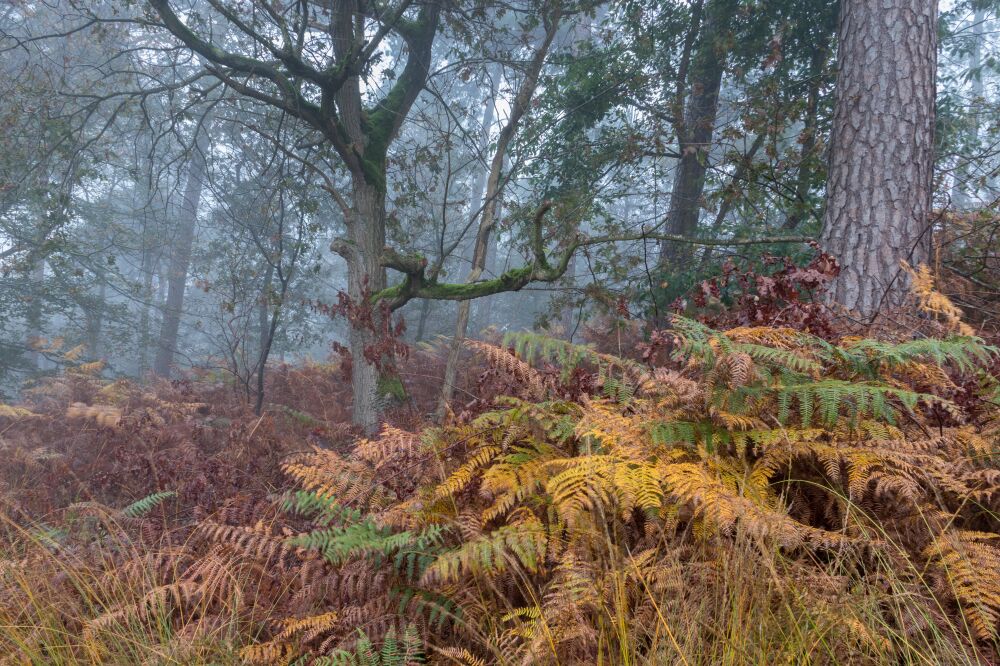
x=180 y=257
x=879 y=184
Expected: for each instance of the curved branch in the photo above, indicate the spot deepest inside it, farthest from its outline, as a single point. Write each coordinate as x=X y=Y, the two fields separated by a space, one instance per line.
x=416 y=284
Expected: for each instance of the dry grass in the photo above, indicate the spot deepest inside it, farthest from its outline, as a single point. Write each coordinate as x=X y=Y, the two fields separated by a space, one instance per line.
x=768 y=498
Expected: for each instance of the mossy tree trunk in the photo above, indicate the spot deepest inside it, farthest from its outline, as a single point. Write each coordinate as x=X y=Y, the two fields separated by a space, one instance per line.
x=360 y=134
x=366 y=276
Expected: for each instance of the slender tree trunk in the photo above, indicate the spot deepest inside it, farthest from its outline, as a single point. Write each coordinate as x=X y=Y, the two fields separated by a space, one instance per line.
x=95 y=318
x=489 y=216
x=879 y=184
x=270 y=317
x=264 y=310
x=180 y=256
x=962 y=189
x=478 y=199
x=268 y=314
x=481 y=197
x=729 y=196
x=35 y=312
x=808 y=138
x=161 y=283
x=142 y=363
x=696 y=133
x=425 y=311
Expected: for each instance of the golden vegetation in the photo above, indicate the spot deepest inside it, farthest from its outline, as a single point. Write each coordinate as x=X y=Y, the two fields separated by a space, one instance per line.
x=769 y=497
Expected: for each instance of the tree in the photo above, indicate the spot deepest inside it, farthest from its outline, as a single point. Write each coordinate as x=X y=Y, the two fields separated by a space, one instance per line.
x=879 y=185
x=695 y=125
x=494 y=187
x=180 y=254
x=313 y=65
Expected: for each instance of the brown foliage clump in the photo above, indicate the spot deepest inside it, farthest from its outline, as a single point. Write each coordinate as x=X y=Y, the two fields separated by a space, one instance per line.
x=757 y=495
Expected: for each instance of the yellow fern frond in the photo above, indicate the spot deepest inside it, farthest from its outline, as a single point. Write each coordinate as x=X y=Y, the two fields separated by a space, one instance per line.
x=91 y=369
x=392 y=444
x=105 y=415
x=15 y=412
x=616 y=432
x=460 y=656
x=463 y=476
x=312 y=625
x=73 y=354
x=933 y=302
x=779 y=338
x=732 y=421
x=971 y=566
x=272 y=653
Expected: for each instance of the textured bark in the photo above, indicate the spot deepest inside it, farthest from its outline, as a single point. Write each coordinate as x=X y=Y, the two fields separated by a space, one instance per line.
x=696 y=132
x=180 y=257
x=370 y=134
x=365 y=276
x=882 y=153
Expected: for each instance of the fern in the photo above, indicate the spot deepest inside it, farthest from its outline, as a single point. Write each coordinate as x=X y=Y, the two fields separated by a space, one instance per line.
x=971 y=568
x=492 y=554
x=406 y=650
x=143 y=506
x=365 y=539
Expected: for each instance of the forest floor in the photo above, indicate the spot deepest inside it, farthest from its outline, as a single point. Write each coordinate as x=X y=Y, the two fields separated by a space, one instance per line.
x=728 y=495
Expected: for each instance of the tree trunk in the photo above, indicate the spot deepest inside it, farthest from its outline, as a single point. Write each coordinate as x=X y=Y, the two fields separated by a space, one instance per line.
x=95 y=317
x=494 y=188
x=696 y=133
x=180 y=256
x=366 y=276
x=425 y=311
x=264 y=311
x=882 y=153
x=35 y=313
x=808 y=138
x=142 y=362
x=491 y=207
x=962 y=190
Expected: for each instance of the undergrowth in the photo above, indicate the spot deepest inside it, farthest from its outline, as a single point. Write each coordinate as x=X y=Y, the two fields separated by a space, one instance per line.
x=762 y=496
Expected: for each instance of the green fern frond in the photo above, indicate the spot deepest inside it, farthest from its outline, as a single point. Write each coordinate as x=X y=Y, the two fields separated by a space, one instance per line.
x=143 y=506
